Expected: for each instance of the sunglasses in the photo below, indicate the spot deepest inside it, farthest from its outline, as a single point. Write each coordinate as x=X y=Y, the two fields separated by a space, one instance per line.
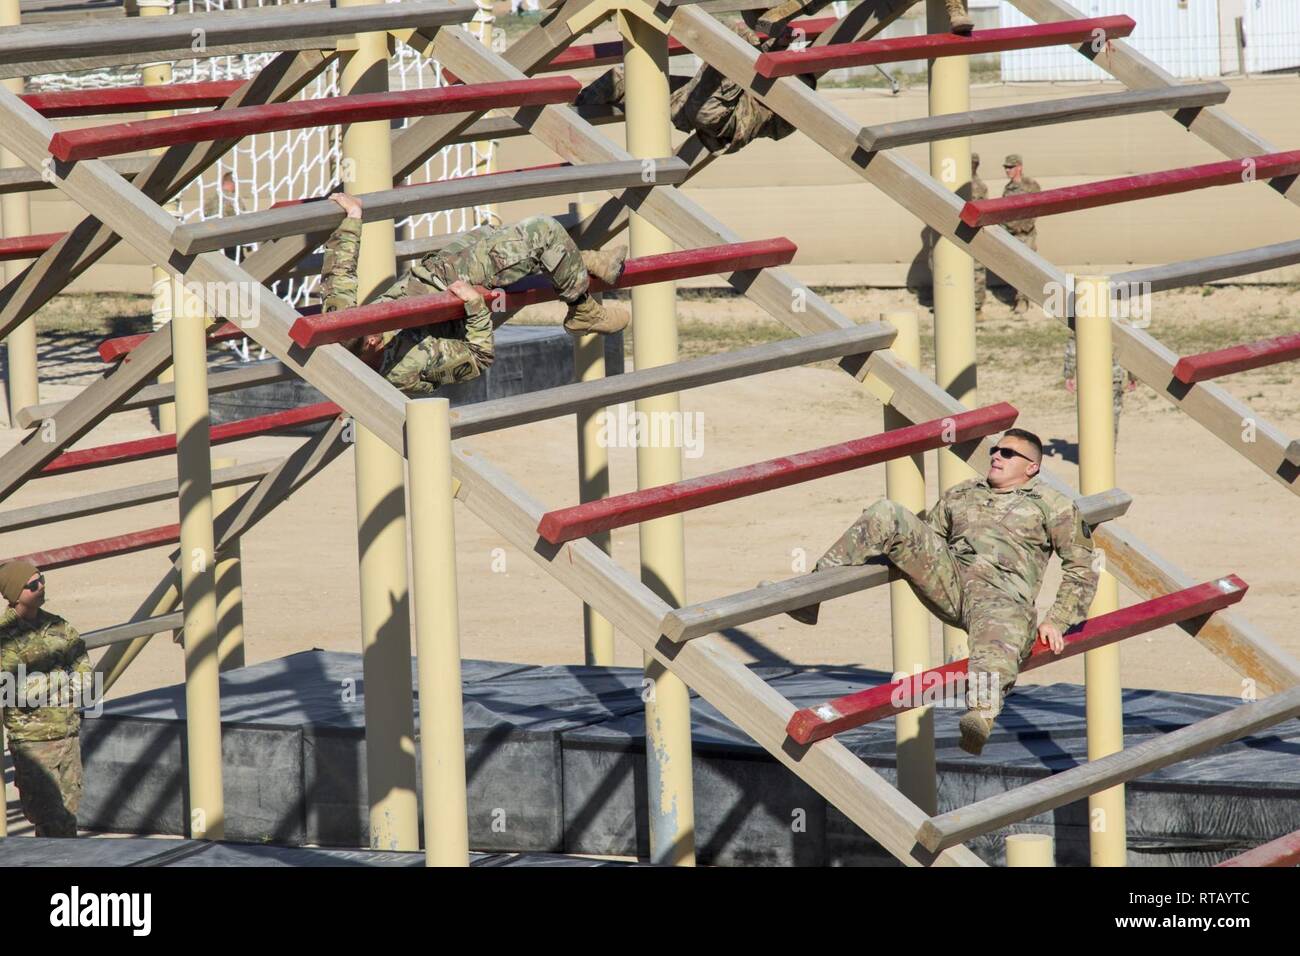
x=1007 y=453
x=36 y=583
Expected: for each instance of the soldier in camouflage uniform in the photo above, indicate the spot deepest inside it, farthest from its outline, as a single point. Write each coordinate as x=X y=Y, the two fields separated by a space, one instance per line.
x=978 y=190
x=1120 y=379
x=720 y=112
x=976 y=561
x=1026 y=230
x=47 y=676
x=420 y=360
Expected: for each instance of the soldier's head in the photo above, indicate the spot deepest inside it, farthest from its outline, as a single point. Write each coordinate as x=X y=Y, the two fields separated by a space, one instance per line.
x=228 y=183
x=1013 y=167
x=23 y=586
x=1015 y=458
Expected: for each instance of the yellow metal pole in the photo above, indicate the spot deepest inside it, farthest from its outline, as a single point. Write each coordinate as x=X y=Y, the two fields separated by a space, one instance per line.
x=1103 y=691
x=663 y=546
x=16 y=218
x=1030 y=849
x=485 y=149
x=593 y=467
x=954 y=272
x=905 y=484
x=381 y=504
x=198 y=571
x=437 y=633
x=230 y=583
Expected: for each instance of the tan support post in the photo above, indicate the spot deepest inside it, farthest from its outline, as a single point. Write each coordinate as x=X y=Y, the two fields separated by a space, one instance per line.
x=16 y=220
x=954 y=272
x=1030 y=849
x=593 y=466
x=230 y=583
x=905 y=484
x=1103 y=691
x=381 y=503
x=485 y=149
x=198 y=571
x=437 y=633
x=663 y=546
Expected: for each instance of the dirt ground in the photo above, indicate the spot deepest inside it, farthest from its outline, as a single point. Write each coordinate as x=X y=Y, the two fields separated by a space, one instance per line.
x=1199 y=504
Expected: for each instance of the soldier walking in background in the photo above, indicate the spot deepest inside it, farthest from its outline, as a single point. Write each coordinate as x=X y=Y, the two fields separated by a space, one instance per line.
x=1026 y=230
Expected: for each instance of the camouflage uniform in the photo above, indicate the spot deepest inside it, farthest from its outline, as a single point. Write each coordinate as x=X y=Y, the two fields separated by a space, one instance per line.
x=722 y=113
x=979 y=190
x=418 y=361
x=45 y=741
x=976 y=561
x=1119 y=377
x=1026 y=230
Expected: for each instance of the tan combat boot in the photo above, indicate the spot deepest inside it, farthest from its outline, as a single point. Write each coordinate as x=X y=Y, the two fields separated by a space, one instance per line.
x=589 y=315
x=958 y=19
x=605 y=265
x=985 y=702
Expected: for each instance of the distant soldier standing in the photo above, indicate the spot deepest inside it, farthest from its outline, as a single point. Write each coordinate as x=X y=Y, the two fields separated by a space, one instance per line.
x=417 y=361
x=49 y=675
x=978 y=190
x=1120 y=379
x=1026 y=230
x=976 y=561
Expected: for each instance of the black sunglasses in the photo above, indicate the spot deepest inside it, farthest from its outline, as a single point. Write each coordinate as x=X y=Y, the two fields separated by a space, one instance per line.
x=39 y=581
x=1007 y=453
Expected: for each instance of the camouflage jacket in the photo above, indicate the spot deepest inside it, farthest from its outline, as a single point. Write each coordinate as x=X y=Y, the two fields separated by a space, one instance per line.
x=1021 y=227
x=978 y=189
x=48 y=658
x=1007 y=538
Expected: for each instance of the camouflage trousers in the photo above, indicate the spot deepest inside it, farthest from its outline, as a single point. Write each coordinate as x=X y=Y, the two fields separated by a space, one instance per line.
x=1002 y=628
x=48 y=776
x=1118 y=378
x=1031 y=240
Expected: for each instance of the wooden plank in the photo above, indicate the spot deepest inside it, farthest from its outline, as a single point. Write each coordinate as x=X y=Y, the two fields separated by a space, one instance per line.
x=143 y=448
x=103 y=101
x=416 y=311
x=918 y=690
x=82 y=506
x=646 y=504
x=957 y=826
x=104 y=636
x=1108 y=192
x=102 y=548
x=1071 y=109
x=1284 y=851
x=93 y=142
x=930 y=46
x=1178 y=275
x=28 y=247
x=319 y=216
x=60 y=47
x=692 y=373
x=21 y=179
x=119 y=347
x=259 y=373
x=1237 y=358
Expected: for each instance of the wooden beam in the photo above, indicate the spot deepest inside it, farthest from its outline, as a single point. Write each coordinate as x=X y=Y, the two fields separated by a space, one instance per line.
x=1071 y=109
x=957 y=826
x=692 y=373
x=82 y=506
x=1237 y=358
x=105 y=636
x=101 y=548
x=103 y=101
x=259 y=373
x=119 y=347
x=319 y=216
x=63 y=47
x=1179 y=275
x=20 y=179
x=647 y=504
x=812 y=724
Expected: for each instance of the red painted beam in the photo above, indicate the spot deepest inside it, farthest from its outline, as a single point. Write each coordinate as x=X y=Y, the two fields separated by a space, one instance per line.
x=110 y=350
x=580 y=521
x=89 y=551
x=1207 y=365
x=931 y=686
x=1284 y=851
x=931 y=46
x=131 y=99
x=108 y=140
x=311 y=331
x=1051 y=202
x=28 y=247
x=143 y=448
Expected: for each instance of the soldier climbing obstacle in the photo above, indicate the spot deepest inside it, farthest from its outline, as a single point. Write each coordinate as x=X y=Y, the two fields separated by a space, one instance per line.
x=418 y=361
x=976 y=561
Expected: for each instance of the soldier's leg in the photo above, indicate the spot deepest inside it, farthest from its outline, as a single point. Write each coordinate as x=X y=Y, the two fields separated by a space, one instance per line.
x=1118 y=379
x=981 y=287
x=1002 y=632
x=606 y=90
x=38 y=775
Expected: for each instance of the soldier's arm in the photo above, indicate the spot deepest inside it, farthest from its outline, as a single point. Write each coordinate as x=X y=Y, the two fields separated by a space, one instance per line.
x=480 y=335
x=338 y=277
x=1072 y=541
x=939 y=518
x=83 y=674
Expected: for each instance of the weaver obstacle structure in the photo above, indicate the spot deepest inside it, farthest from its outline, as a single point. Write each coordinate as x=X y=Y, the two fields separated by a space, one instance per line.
x=418 y=442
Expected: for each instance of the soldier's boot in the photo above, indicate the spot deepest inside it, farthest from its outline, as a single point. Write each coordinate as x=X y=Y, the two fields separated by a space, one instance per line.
x=976 y=725
x=588 y=314
x=958 y=19
x=605 y=264
x=804 y=615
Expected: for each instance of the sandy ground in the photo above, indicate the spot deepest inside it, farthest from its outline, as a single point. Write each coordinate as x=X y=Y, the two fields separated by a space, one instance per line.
x=1198 y=503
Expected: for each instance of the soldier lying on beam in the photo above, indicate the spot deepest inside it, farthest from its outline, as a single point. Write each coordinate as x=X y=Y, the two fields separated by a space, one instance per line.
x=976 y=561
x=720 y=112
x=417 y=361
